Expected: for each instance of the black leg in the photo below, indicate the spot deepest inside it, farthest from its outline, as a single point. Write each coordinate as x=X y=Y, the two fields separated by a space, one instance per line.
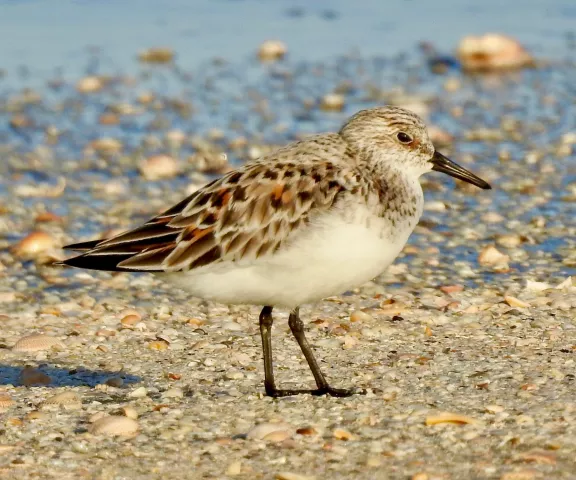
x=297 y=328
x=266 y=322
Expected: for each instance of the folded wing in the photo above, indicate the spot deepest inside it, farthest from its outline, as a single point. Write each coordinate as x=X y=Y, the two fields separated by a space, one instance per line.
x=246 y=214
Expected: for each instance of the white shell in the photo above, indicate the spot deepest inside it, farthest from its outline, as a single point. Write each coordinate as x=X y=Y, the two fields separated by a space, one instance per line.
x=5 y=402
x=36 y=343
x=68 y=400
x=114 y=425
x=270 y=431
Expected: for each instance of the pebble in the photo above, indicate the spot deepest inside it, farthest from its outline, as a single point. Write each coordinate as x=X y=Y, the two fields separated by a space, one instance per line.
x=114 y=425
x=36 y=343
x=30 y=376
x=116 y=382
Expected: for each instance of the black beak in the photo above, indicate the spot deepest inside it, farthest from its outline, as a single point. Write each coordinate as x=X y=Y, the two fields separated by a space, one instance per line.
x=445 y=165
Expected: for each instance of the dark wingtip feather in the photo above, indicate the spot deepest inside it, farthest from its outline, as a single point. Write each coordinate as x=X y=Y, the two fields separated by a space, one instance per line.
x=83 y=246
x=96 y=262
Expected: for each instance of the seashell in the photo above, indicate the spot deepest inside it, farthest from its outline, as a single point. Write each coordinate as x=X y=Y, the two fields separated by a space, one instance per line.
x=307 y=431
x=538 y=457
x=159 y=166
x=36 y=343
x=332 y=102
x=235 y=468
x=491 y=256
x=139 y=392
x=31 y=376
x=36 y=415
x=146 y=98
x=565 y=285
x=537 y=286
x=130 y=412
x=263 y=430
x=68 y=400
x=360 y=316
x=6 y=402
x=292 y=476
x=173 y=393
x=272 y=50
x=90 y=84
x=109 y=118
x=157 y=55
x=447 y=417
x=158 y=345
x=492 y=52
x=277 y=436
x=114 y=425
x=494 y=408
x=106 y=146
x=341 y=434
x=34 y=244
x=175 y=138
x=48 y=217
x=515 y=302
x=96 y=416
x=509 y=240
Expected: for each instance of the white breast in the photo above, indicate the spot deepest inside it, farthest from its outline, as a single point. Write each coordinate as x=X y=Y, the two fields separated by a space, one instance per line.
x=330 y=256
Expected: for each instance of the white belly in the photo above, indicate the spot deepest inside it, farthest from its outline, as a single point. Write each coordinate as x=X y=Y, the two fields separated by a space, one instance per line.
x=326 y=260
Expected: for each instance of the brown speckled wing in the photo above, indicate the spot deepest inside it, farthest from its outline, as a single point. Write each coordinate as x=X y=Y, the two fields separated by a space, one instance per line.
x=245 y=215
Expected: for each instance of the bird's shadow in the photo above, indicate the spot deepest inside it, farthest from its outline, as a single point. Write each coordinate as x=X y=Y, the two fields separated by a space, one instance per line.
x=65 y=377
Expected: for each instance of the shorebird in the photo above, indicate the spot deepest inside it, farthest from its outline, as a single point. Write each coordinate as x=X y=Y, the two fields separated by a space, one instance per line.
x=310 y=220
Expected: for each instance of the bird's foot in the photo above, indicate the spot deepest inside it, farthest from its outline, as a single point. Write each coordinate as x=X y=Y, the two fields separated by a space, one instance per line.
x=328 y=390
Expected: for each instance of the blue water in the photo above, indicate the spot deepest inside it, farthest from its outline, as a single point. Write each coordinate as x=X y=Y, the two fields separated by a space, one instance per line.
x=46 y=35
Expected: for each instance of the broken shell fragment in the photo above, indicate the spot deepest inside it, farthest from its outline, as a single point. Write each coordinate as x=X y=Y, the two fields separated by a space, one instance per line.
x=448 y=417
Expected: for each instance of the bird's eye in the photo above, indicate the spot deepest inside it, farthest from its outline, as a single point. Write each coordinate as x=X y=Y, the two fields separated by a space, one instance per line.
x=403 y=137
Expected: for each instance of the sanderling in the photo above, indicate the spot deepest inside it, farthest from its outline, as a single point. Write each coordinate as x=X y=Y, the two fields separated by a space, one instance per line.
x=313 y=219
